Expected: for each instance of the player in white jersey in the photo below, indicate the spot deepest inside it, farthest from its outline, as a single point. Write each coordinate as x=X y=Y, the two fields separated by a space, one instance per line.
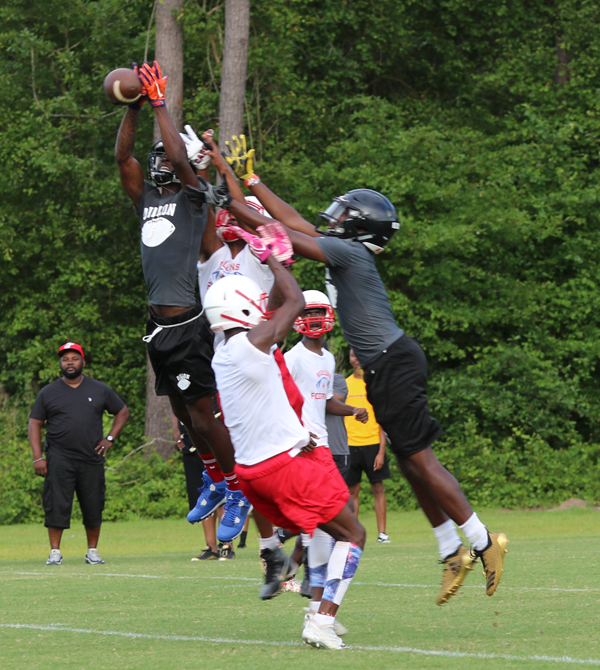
x=312 y=368
x=276 y=462
x=224 y=253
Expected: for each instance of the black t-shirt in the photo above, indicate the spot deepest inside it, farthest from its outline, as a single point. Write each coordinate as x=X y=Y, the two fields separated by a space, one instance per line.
x=73 y=416
x=172 y=229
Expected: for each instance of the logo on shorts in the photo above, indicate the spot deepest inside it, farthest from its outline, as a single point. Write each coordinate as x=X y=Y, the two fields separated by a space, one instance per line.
x=183 y=381
x=90 y=399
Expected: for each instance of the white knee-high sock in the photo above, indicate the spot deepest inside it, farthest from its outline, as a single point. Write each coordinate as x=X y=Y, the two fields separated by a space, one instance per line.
x=319 y=552
x=340 y=570
x=476 y=532
x=448 y=538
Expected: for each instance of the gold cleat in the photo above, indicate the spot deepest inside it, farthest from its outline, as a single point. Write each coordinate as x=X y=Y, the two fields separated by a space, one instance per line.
x=456 y=567
x=493 y=561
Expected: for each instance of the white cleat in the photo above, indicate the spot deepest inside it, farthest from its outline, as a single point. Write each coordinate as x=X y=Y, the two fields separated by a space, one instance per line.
x=321 y=637
x=338 y=626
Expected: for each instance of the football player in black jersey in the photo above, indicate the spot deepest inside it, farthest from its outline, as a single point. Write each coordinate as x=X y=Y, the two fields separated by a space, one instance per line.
x=360 y=224
x=178 y=336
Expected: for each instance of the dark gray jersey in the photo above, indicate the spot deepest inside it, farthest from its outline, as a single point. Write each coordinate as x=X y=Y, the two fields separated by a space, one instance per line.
x=172 y=229
x=363 y=307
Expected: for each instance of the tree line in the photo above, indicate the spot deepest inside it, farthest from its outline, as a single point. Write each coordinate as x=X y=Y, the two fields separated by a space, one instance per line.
x=478 y=120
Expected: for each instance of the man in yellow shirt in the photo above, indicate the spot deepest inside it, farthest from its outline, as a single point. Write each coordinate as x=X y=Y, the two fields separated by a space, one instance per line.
x=367 y=443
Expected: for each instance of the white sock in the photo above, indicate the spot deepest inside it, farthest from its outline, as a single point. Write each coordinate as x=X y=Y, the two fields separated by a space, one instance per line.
x=314 y=606
x=447 y=537
x=321 y=547
x=324 y=619
x=476 y=532
x=269 y=542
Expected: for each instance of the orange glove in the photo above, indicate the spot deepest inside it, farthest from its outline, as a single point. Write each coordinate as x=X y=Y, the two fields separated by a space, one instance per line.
x=154 y=83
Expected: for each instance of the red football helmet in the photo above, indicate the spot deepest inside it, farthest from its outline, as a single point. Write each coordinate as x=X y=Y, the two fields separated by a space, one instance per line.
x=225 y=219
x=317 y=324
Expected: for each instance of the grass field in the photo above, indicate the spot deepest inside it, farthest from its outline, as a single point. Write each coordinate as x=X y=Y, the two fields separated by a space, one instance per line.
x=150 y=607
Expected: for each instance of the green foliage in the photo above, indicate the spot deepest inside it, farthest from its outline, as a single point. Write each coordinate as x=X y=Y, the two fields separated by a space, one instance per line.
x=454 y=110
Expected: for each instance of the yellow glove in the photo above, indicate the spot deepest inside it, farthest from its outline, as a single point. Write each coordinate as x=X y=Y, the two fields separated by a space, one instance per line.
x=241 y=160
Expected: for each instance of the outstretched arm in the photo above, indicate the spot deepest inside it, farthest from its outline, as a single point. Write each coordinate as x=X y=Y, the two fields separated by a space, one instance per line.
x=304 y=245
x=279 y=325
x=175 y=148
x=280 y=210
x=155 y=85
x=130 y=171
x=222 y=169
x=241 y=160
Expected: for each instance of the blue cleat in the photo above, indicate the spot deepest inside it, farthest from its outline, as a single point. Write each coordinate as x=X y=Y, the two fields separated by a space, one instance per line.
x=211 y=496
x=235 y=513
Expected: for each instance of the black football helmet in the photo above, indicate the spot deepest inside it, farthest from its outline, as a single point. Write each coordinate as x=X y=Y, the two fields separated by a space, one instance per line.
x=362 y=215
x=157 y=176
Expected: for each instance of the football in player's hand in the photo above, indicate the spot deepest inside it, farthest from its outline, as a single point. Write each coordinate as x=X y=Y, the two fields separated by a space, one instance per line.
x=123 y=86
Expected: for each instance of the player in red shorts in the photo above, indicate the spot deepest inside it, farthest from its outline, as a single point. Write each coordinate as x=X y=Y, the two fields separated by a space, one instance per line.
x=272 y=448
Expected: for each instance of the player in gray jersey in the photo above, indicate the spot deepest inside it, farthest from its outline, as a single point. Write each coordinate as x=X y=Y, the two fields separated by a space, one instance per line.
x=360 y=224
x=178 y=336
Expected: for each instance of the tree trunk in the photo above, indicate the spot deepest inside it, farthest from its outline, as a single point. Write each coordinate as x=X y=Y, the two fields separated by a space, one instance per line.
x=169 y=53
x=235 y=61
x=562 y=73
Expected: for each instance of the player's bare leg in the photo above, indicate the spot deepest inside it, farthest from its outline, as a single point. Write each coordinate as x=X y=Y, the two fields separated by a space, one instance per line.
x=444 y=504
x=221 y=485
x=354 y=492
x=380 y=505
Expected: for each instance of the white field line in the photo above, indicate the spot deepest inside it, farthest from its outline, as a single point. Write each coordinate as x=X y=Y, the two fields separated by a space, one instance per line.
x=253 y=580
x=60 y=628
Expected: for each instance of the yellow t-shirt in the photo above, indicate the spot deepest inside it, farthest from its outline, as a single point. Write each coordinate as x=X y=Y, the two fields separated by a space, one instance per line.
x=360 y=434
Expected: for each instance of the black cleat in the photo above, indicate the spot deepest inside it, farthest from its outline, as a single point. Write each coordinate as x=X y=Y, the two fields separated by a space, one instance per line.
x=279 y=568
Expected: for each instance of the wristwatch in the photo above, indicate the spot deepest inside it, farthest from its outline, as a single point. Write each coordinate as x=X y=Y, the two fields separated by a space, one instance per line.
x=110 y=438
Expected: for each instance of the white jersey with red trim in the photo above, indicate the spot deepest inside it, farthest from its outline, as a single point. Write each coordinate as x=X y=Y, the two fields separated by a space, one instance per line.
x=313 y=374
x=255 y=406
x=221 y=264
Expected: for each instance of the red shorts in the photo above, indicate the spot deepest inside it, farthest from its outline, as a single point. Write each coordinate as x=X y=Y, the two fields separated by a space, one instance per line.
x=296 y=493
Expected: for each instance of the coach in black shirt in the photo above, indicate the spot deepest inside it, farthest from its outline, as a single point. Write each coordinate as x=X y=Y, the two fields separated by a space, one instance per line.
x=72 y=409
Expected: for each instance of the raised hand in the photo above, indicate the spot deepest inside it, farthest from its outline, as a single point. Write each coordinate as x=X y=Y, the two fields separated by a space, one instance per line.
x=240 y=158
x=274 y=236
x=197 y=152
x=256 y=244
x=209 y=194
x=154 y=83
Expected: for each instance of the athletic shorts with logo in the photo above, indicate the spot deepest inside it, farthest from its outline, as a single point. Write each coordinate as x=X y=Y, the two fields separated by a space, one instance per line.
x=181 y=354
x=296 y=493
x=397 y=388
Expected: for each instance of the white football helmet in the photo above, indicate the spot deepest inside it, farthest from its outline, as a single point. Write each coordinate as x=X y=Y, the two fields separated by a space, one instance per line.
x=235 y=301
x=315 y=325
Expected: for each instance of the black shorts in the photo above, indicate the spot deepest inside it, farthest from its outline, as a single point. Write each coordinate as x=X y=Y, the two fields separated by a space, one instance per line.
x=362 y=459
x=397 y=388
x=343 y=464
x=67 y=476
x=181 y=355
